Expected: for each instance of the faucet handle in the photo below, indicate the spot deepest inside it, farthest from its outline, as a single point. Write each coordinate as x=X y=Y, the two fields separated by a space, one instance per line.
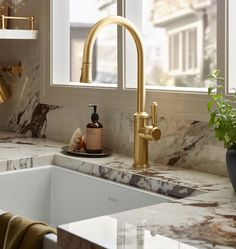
x=154 y=110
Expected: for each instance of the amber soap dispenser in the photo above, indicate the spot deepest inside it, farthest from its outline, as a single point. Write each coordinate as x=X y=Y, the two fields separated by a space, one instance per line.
x=94 y=133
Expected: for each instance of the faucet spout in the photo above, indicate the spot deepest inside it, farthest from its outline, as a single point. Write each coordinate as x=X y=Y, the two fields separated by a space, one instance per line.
x=86 y=74
x=142 y=131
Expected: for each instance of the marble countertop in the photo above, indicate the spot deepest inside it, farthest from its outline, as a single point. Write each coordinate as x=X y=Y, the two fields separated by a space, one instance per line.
x=203 y=214
x=18 y=151
x=205 y=218
x=14 y=146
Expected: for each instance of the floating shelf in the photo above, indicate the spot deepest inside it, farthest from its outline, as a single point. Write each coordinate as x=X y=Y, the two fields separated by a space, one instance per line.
x=18 y=34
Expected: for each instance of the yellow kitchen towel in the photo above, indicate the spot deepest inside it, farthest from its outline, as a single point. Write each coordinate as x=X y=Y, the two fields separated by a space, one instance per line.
x=21 y=233
x=4 y=219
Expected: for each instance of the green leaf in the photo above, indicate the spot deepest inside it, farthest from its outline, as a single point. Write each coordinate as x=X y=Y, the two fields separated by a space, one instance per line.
x=212 y=119
x=210 y=89
x=220 y=133
x=232 y=134
x=217 y=97
x=221 y=79
x=220 y=87
x=216 y=75
x=209 y=105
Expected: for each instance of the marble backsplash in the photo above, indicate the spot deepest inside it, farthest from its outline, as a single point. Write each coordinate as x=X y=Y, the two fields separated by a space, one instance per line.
x=189 y=144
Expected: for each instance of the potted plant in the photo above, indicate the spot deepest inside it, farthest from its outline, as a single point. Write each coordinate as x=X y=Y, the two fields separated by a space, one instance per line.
x=223 y=121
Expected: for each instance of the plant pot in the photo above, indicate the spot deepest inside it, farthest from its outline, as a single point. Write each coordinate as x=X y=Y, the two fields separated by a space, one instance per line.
x=231 y=165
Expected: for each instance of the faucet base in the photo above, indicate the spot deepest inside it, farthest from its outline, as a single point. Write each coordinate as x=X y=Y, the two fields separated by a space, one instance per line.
x=140 y=165
x=140 y=143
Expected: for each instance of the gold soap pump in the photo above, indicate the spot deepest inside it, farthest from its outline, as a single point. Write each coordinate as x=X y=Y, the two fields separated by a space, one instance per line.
x=143 y=132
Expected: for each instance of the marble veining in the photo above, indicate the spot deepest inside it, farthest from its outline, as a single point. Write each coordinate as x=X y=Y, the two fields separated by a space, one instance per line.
x=184 y=143
x=172 y=181
x=202 y=216
x=21 y=164
x=197 y=220
x=206 y=221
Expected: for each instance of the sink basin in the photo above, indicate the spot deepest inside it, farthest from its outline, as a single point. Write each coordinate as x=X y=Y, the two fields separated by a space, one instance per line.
x=57 y=196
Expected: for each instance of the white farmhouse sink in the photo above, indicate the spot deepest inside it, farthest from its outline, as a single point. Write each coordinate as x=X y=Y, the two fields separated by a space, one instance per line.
x=57 y=196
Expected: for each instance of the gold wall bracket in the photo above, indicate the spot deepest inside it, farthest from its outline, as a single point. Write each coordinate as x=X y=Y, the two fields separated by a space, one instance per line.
x=4 y=91
x=15 y=70
x=4 y=18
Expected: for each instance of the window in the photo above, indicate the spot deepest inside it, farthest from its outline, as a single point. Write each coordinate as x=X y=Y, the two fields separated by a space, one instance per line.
x=184 y=48
x=83 y=15
x=181 y=43
x=231 y=47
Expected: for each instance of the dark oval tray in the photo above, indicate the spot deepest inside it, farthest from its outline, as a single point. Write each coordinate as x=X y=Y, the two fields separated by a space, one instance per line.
x=104 y=153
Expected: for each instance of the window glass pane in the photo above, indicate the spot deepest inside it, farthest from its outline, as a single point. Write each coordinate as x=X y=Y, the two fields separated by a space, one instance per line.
x=83 y=15
x=176 y=48
x=180 y=42
x=232 y=47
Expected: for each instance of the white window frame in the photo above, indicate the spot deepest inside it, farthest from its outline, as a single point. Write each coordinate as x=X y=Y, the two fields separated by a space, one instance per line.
x=231 y=49
x=203 y=4
x=173 y=103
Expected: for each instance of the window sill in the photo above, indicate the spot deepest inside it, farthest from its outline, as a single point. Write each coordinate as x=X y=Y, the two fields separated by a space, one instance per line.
x=94 y=85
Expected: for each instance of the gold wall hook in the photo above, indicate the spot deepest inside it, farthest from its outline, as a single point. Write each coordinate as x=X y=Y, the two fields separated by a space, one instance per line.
x=4 y=92
x=15 y=70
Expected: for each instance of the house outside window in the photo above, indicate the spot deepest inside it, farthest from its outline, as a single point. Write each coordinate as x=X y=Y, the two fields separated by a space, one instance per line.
x=189 y=30
x=185 y=50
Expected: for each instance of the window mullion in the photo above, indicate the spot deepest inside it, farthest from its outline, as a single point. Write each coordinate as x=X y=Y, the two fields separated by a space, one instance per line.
x=187 y=50
x=181 y=51
x=135 y=15
x=121 y=75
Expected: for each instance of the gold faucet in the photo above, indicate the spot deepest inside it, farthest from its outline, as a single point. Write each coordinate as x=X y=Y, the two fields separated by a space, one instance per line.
x=142 y=130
